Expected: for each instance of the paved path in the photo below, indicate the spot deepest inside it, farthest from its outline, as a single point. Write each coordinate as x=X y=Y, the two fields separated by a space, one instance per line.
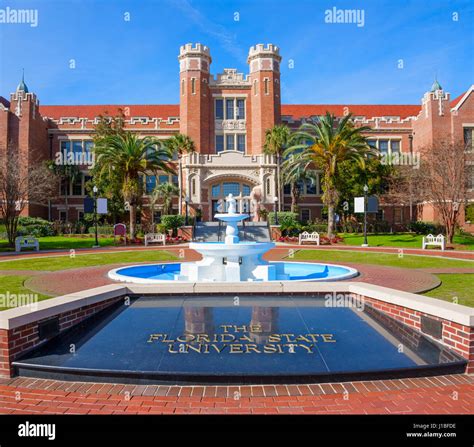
x=68 y=281
x=453 y=394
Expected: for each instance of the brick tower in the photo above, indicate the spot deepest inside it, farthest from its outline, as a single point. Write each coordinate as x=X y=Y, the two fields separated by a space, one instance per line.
x=195 y=98
x=264 y=64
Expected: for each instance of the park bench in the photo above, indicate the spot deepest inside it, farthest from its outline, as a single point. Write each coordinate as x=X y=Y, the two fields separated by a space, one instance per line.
x=434 y=240
x=26 y=242
x=152 y=238
x=308 y=237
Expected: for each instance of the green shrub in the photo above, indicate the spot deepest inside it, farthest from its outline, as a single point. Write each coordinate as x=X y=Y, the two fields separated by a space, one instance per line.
x=172 y=222
x=34 y=226
x=470 y=213
x=420 y=227
x=102 y=229
x=288 y=221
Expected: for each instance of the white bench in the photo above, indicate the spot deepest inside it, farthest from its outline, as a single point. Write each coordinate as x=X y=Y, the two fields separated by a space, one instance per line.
x=26 y=242
x=434 y=240
x=308 y=237
x=152 y=238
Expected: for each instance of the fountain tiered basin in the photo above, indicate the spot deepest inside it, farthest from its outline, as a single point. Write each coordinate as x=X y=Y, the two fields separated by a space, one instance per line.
x=231 y=261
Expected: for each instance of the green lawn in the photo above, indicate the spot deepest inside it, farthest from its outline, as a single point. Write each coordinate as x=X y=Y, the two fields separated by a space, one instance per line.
x=61 y=242
x=403 y=240
x=389 y=259
x=15 y=285
x=460 y=286
x=86 y=260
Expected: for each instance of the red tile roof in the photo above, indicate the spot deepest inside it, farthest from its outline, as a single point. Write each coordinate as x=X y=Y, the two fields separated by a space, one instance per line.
x=455 y=101
x=172 y=110
x=369 y=111
x=91 y=112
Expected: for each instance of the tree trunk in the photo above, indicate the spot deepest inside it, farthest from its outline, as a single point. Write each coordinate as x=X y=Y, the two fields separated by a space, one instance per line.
x=278 y=182
x=180 y=181
x=294 y=198
x=330 y=221
x=133 y=219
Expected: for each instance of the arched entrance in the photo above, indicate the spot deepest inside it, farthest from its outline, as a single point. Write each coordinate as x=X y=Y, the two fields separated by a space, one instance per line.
x=220 y=187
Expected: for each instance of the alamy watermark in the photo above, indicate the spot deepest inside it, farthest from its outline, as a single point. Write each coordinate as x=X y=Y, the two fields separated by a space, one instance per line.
x=401 y=159
x=351 y=300
x=75 y=158
x=351 y=16
x=10 y=300
x=19 y=16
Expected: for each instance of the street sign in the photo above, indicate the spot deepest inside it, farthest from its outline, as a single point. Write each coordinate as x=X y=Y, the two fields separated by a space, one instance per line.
x=372 y=204
x=101 y=206
x=88 y=205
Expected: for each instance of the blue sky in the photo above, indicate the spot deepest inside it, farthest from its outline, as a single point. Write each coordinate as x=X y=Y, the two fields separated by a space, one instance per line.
x=135 y=62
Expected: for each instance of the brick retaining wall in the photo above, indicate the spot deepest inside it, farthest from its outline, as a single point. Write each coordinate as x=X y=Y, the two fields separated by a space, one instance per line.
x=15 y=342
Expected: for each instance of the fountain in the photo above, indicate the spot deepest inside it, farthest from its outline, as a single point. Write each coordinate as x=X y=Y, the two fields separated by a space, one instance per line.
x=231 y=261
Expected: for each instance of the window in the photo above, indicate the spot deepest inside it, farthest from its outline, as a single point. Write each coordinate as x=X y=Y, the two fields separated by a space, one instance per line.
x=287 y=189
x=77 y=186
x=241 y=143
x=174 y=180
x=88 y=145
x=311 y=187
x=240 y=109
x=470 y=177
x=383 y=146
x=230 y=142
x=266 y=86
x=305 y=214
x=65 y=147
x=397 y=215
x=229 y=109
x=231 y=188
x=255 y=87
x=193 y=86
x=216 y=190
x=150 y=183
x=62 y=216
x=193 y=186
x=372 y=143
x=267 y=187
x=77 y=147
x=468 y=138
x=219 y=143
x=245 y=190
x=80 y=215
x=395 y=146
x=163 y=179
x=219 y=109
x=64 y=187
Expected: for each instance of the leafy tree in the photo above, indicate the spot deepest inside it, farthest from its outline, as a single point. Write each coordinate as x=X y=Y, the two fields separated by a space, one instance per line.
x=163 y=192
x=66 y=174
x=179 y=145
x=126 y=157
x=276 y=141
x=325 y=146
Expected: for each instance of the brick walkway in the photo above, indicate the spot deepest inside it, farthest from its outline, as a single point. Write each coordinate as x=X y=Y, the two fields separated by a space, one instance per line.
x=452 y=394
x=73 y=280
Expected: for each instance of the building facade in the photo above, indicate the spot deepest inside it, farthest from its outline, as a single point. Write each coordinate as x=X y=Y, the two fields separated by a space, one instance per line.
x=226 y=116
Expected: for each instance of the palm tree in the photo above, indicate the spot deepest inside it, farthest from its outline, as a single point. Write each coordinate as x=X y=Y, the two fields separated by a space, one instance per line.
x=276 y=141
x=129 y=157
x=179 y=145
x=325 y=145
x=294 y=173
x=165 y=192
x=66 y=174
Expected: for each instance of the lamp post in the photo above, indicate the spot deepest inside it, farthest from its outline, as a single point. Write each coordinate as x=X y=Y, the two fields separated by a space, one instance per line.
x=275 y=202
x=186 y=201
x=95 y=190
x=366 y=189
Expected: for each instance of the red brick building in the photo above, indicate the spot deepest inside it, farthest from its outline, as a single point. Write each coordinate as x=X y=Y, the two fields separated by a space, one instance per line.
x=226 y=116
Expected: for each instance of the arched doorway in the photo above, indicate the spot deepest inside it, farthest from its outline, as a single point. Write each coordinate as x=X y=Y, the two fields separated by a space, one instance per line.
x=220 y=189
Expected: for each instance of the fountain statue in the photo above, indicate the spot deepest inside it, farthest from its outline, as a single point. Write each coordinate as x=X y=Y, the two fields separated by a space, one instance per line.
x=231 y=260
